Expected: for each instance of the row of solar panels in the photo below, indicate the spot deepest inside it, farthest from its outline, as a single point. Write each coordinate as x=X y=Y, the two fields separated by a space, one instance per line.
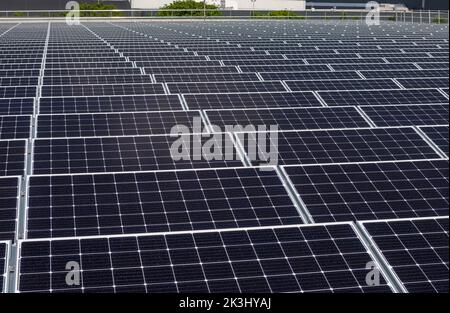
x=162 y=122
x=137 y=88
x=113 y=154
x=219 y=77
x=319 y=258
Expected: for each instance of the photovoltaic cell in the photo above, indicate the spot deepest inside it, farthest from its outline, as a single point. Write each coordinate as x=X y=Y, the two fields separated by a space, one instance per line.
x=348 y=192
x=156 y=202
x=289 y=259
x=439 y=135
x=9 y=199
x=113 y=124
x=290 y=119
x=383 y=97
x=251 y=100
x=416 y=250
x=106 y=104
x=408 y=115
x=337 y=146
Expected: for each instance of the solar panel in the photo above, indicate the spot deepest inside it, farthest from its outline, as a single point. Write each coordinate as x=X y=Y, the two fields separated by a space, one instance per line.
x=12 y=157
x=15 y=127
x=19 y=73
x=147 y=202
x=251 y=100
x=4 y=253
x=406 y=74
x=17 y=92
x=439 y=135
x=113 y=124
x=118 y=154
x=424 y=82
x=17 y=106
x=213 y=77
x=191 y=70
x=430 y=66
x=309 y=75
x=337 y=146
x=408 y=115
x=323 y=258
x=9 y=199
x=379 y=66
x=416 y=250
x=351 y=84
x=101 y=90
x=366 y=191
x=383 y=97
x=91 y=71
x=284 y=68
x=289 y=118
x=263 y=62
x=224 y=87
x=342 y=60
x=106 y=104
x=96 y=80
x=18 y=81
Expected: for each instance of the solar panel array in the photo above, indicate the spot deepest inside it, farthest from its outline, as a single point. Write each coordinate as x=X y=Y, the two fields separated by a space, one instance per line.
x=357 y=115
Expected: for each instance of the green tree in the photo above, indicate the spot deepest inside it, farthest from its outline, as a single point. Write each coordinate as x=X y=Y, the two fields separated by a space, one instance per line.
x=189 y=8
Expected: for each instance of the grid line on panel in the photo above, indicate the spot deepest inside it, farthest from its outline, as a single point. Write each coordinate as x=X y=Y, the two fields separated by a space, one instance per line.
x=327 y=258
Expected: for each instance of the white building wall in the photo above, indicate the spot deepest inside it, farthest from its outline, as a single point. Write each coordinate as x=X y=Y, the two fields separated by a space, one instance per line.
x=235 y=4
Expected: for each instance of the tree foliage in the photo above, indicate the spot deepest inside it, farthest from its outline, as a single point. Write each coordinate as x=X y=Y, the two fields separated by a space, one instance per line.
x=189 y=8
